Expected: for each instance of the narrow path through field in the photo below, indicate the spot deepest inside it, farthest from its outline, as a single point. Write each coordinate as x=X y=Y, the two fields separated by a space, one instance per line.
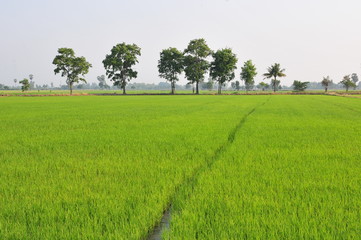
x=190 y=183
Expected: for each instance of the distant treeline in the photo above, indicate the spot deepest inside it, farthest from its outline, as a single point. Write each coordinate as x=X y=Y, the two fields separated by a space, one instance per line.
x=196 y=61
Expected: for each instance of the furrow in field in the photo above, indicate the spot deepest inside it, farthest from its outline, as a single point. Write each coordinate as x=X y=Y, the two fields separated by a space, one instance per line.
x=190 y=183
x=295 y=175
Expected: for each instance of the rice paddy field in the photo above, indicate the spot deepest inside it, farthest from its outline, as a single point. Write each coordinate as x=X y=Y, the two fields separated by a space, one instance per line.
x=226 y=167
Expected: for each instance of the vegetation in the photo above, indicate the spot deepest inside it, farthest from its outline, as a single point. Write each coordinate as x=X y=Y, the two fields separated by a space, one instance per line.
x=347 y=82
x=102 y=83
x=25 y=85
x=170 y=66
x=195 y=62
x=300 y=86
x=223 y=66
x=211 y=158
x=236 y=85
x=263 y=86
x=118 y=64
x=70 y=66
x=77 y=168
x=326 y=82
x=354 y=79
x=248 y=74
x=273 y=72
x=299 y=179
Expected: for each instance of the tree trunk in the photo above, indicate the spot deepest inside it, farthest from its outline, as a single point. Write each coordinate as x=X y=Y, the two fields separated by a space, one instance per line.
x=197 y=89
x=172 y=87
x=71 y=88
x=325 y=89
x=124 y=90
x=219 y=88
x=274 y=85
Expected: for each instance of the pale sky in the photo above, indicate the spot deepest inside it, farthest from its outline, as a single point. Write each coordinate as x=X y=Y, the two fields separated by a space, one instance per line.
x=310 y=39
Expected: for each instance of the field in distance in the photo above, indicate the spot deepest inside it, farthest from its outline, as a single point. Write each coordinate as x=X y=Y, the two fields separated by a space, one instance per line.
x=140 y=92
x=231 y=167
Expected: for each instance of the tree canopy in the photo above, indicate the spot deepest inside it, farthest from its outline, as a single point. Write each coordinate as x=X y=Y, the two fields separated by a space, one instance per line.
x=299 y=86
x=170 y=65
x=347 y=82
x=102 y=83
x=273 y=72
x=118 y=64
x=195 y=63
x=263 y=86
x=25 y=84
x=248 y=73
x=326 y=82
x=354 y=79
x=70 y=66
x=223 y=66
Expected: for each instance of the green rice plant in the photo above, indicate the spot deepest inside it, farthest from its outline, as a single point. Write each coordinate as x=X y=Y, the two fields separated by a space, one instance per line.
x=103 y=167
x=292 y=172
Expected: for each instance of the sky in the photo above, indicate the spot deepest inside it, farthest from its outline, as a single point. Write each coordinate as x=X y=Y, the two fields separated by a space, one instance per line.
x=310 y=39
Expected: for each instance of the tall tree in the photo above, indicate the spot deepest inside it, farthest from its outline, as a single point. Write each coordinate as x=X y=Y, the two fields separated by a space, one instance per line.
x=347 y=82
x=248 y=72
x=223 y=66
x=25 y=84
x=326 y=82
x=70 y=66
x=354 y=79
x=32 y=83
x=118 y=64
x=195 y=61
x=273 y=72
x=170 y=65
x=300 y=86
x=102 y=83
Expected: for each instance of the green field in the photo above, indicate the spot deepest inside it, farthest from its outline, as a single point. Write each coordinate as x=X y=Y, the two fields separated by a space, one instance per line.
x=140 y=92
x=231 y=167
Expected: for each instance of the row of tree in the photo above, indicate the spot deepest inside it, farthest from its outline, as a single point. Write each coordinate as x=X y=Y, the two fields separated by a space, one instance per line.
x=348 y=81
x=193 y=61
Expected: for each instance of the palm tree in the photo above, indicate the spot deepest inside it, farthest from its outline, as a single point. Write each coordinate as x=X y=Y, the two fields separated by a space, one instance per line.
x=273 y=72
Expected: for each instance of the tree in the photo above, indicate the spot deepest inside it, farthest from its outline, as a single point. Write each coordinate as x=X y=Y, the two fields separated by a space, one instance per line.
x=263 y=86
x=248 y=72
x=32 y=83
x=170 y=65
x=326 y=82
x=347 y=82
x=354 y=79
x=25 y=84
x=195 y=63
x=223 y=66
x=15 y=81
x=209 y=85
x=118 y=64
x=102 y=83
x=70 y=66
x=236 y=85
x=273 y=72
x=300 y=86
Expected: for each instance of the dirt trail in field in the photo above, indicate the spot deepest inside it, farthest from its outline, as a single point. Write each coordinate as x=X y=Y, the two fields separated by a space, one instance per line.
x=350 y=95
x=190 y=183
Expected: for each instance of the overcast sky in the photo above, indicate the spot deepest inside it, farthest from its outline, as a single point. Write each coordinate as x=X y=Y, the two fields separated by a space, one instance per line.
x=309 y=38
